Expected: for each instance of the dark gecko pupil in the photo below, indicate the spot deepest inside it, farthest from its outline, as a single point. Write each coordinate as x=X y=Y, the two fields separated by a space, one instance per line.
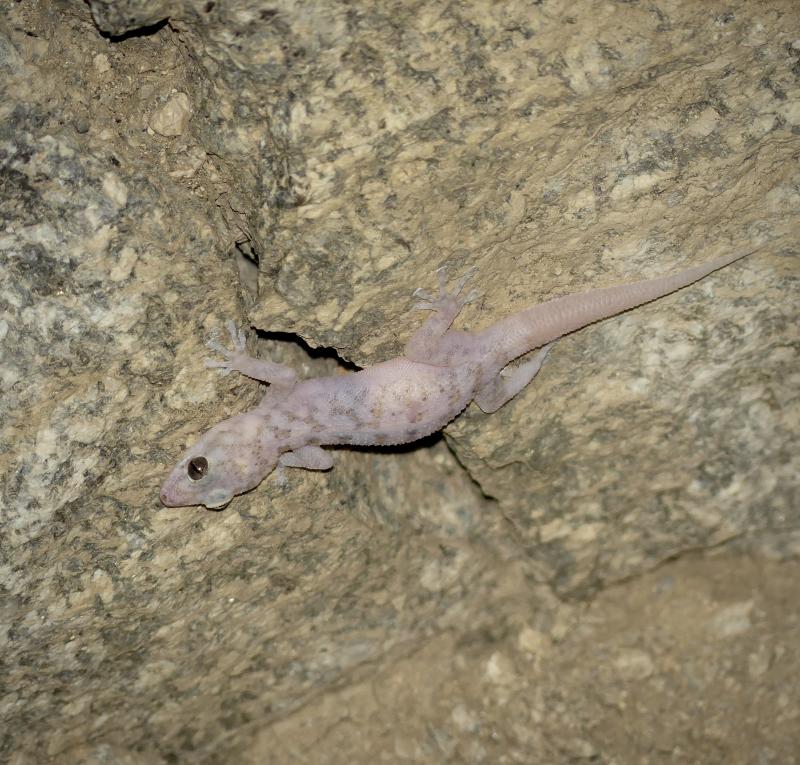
x=197 y=468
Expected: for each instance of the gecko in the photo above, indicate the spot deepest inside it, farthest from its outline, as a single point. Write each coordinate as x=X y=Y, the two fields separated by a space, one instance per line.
x=393 y=402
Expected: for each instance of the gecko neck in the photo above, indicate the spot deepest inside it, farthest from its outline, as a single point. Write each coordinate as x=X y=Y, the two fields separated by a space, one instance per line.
x=284 y=425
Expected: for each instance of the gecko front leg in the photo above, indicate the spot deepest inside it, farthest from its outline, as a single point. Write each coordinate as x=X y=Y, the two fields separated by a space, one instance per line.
x=432 y=343
x=239 y=360
x=308 y=457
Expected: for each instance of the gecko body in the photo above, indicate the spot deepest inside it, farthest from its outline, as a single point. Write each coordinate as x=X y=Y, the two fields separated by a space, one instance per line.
x=394 y=402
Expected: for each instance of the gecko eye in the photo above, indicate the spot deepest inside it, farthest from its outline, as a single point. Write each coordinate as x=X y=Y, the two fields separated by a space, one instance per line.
x=197 y=468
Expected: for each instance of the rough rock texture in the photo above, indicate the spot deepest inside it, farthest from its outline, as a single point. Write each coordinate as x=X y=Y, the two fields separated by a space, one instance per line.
x=539 y=585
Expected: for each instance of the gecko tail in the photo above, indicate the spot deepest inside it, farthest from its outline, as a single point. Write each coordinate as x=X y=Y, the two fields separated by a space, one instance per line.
x=548 y=321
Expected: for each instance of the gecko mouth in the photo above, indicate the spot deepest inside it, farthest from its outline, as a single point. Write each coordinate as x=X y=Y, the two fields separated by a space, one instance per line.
x=217 y=504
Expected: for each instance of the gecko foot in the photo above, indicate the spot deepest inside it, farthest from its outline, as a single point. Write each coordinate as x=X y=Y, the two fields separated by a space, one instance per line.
x=230 y=358
x=446 y=301
x=239 y=360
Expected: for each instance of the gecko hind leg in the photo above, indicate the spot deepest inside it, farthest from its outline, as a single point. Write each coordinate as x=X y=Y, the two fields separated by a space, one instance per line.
x=510 y=381
x=239 y=360
x=425 y=344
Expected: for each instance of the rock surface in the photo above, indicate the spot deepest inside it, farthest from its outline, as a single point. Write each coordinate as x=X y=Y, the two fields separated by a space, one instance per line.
x=605 y=569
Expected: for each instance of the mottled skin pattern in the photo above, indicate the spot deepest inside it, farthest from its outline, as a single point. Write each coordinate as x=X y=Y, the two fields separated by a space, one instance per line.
x=393 y=402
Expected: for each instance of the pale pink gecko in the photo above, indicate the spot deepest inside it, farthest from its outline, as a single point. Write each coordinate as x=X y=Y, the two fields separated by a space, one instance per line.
x=393 y=402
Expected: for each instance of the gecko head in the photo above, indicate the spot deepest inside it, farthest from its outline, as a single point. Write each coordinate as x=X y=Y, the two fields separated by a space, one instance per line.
x=229 y=459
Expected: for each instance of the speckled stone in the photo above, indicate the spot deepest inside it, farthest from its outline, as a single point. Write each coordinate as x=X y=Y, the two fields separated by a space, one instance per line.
x=412 y=605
